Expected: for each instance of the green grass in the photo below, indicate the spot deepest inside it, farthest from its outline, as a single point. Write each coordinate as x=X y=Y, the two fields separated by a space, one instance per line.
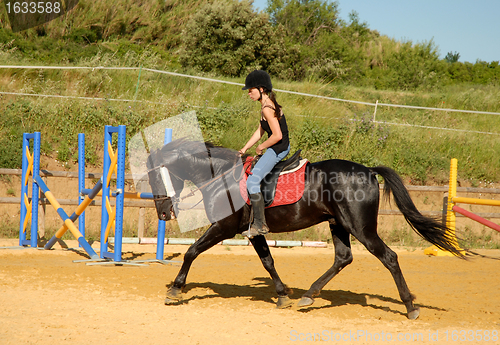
x=9 y=230
x=486 y=239
x=324 y=129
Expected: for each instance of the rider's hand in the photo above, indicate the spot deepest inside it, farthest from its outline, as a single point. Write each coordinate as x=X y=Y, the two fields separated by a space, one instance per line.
x=260 y=149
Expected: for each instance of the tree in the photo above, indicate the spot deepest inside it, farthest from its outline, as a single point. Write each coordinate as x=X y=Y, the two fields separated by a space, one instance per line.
x=413 y=66
x=303 y=20
x=460 y=72
x=452 y=57
x=229 y=38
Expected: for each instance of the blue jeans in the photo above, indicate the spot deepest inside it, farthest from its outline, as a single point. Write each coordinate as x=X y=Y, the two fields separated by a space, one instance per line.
x=263 y=167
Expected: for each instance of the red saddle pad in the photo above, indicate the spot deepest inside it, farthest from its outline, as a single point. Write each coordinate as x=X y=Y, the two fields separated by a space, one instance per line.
x=289 y=190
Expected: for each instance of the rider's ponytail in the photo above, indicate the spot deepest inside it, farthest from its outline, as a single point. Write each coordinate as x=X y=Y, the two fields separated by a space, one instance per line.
x=277 y=108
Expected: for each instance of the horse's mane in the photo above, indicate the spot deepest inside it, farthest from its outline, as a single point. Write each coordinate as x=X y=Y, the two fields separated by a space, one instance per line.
x=220 y=156
x=221 y=152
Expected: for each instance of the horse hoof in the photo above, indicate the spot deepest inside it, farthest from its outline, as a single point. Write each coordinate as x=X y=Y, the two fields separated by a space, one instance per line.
x=305 y=302
x=283 y=302
x=169 y=301
x=174 y=295
x=413 y=315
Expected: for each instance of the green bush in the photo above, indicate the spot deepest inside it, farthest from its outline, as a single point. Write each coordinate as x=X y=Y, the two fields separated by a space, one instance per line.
x=12 y=152
x=317 y=140
x=229 y=38
x=216 y=123
x=84 y=35
x=11 y=134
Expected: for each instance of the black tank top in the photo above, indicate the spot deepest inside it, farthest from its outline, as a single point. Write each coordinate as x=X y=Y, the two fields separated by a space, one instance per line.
x=281 y=145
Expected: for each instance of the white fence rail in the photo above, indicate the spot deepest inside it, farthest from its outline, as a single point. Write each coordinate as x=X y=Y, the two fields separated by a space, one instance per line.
x=375 y=105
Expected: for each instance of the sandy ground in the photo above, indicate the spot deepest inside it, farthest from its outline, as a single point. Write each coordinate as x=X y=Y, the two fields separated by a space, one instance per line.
x=46 y=298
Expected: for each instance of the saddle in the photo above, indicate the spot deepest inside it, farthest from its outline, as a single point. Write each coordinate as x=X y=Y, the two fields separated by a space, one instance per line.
x=269 y=184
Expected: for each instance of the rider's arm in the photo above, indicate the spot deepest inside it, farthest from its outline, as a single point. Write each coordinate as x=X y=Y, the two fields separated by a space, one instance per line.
x=253 y=140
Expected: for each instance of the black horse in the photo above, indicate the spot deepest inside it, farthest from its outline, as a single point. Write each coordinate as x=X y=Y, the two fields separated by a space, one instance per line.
x=343 y=193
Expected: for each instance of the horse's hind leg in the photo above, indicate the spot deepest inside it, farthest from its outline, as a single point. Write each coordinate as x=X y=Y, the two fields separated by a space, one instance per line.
x=343 y=257
x=260 y=245
x=389 y=259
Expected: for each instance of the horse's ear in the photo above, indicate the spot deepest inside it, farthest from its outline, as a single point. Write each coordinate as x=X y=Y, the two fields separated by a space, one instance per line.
x=209 y=145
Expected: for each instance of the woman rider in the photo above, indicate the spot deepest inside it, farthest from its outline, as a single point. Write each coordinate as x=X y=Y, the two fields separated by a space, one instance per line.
x=273 y=122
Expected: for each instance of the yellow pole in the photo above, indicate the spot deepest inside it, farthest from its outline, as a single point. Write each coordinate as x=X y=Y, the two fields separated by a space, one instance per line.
x=113 y=165
x=111 y=221
x=30 y=158
x=71 y=226
x=27 y=218
x=475 y=201
x=128 y=195
x=452 y=192
x=450 y=215
x=79 y=210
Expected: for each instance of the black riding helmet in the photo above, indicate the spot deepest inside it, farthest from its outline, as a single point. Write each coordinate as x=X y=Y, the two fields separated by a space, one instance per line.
x=258 y=78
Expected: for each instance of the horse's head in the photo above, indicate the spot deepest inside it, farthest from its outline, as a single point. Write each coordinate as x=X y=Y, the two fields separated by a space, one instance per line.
x=165 y=185
x=182 y=159
x=163 y=201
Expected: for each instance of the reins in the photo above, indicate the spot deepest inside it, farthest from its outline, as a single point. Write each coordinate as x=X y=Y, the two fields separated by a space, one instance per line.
x=206 y=184
x=193 y=191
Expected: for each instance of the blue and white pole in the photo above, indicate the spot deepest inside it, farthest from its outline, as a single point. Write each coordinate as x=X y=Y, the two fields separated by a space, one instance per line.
x=160 y=240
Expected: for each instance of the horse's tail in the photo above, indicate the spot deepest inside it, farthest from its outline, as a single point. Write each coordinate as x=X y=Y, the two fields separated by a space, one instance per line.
x=429 y=228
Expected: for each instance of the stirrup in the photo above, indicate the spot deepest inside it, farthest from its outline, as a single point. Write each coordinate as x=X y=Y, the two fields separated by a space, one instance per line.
x=250 y=233
x=254 y=231
x=264 y=230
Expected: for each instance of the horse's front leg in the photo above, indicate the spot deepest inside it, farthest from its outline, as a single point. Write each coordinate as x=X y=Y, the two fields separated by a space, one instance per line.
x=211 y=237
x=260 y=245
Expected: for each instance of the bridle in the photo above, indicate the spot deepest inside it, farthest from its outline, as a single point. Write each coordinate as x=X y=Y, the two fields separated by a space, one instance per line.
x=176 y=200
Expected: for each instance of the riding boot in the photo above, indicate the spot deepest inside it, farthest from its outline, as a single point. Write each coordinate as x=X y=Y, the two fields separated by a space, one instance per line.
x=259 y=226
